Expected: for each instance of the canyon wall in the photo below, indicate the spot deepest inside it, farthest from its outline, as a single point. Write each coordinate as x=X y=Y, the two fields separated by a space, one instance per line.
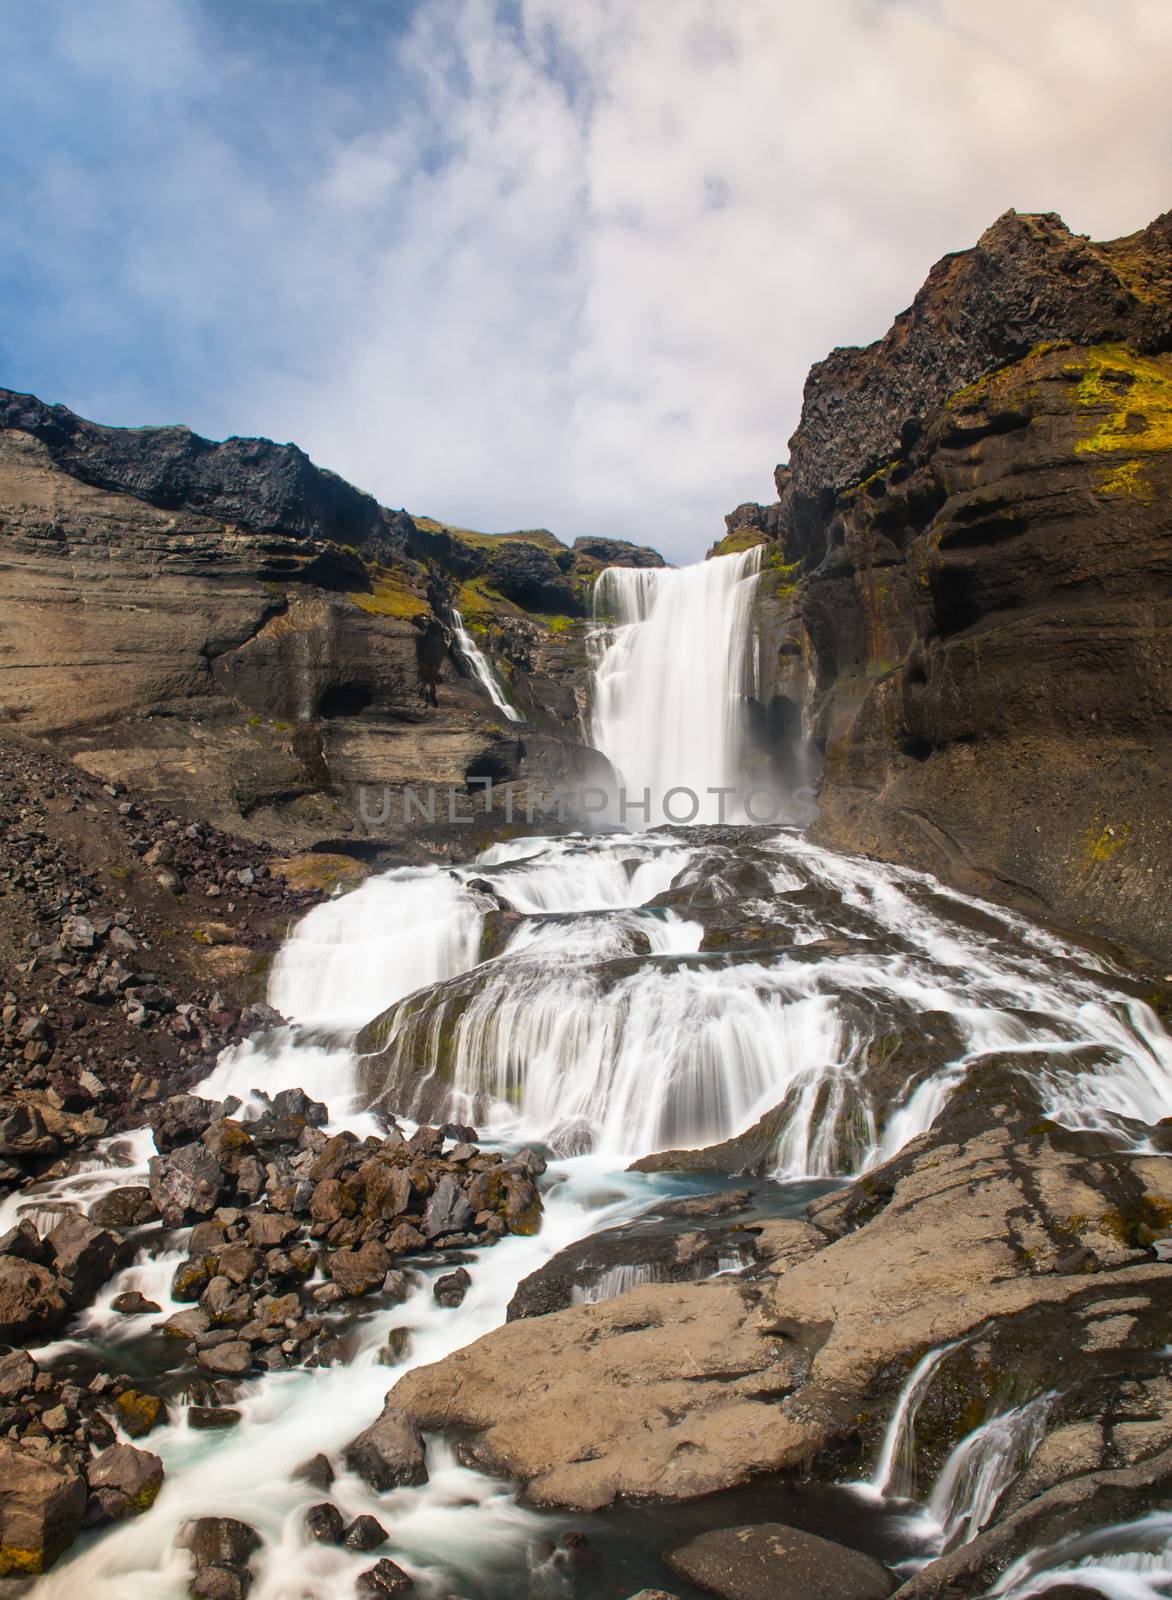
x=239 y=634
x=965 y=617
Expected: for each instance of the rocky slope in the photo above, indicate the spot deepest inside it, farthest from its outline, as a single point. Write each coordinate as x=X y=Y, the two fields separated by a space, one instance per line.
x=967 y=597
x=246 y=637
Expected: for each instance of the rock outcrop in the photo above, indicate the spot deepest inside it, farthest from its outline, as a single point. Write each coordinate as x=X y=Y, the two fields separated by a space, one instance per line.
x=1029 y=1248
x=966 y=598
x=247 y=638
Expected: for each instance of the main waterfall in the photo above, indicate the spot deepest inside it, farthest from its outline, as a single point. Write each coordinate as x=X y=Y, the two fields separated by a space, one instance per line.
x=670 y=682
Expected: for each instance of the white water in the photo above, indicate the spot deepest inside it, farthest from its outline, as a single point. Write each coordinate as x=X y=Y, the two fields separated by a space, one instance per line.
x=894 y=1473
x=980 y=1470
x=482 y=668
x=602 y=1027
x=1126 y=1561
x=670 y=681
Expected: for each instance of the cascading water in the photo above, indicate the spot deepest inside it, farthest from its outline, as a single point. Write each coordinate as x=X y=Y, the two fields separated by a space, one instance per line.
x=482 y=668
x=612 y=996
x=669 y=682
x=980 y=1470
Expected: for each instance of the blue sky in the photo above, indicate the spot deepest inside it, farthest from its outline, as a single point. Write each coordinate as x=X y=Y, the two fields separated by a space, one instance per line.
x=539 y=262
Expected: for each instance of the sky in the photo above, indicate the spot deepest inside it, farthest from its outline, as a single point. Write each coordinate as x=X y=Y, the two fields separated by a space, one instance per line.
x=521 y=263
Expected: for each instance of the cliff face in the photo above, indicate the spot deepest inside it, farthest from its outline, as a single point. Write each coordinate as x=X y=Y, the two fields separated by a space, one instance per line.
x=969 y=596
x=246 y=637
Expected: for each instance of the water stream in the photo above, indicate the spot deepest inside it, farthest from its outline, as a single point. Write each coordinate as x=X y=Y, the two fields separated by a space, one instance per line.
x=482 y=668
x=581 y=991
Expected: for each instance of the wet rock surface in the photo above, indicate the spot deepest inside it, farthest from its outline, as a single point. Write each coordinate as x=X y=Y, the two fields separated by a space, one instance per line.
x=767 y=1559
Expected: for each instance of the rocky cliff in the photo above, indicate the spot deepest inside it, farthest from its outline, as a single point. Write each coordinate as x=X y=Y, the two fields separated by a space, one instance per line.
x=966 y=606
x=246 y=637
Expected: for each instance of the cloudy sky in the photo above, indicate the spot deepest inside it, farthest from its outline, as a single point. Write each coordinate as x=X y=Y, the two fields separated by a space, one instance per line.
x=536 y=262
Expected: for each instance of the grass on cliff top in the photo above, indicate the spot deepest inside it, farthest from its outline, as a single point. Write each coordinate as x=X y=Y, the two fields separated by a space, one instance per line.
x=739 y=539
x=541 y=537
x=390 y=596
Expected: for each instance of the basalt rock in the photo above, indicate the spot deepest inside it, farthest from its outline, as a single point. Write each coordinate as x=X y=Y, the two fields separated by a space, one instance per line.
x=258 y=637
x=41 y=1510
x=963 y=610
x=996 y=1220
x=768 y=1558
x=388 y=1453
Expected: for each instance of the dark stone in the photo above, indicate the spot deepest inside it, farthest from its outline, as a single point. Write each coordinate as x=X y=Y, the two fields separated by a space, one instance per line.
x=364 y=1533
x=220 y=1542
x=768 y=1559
x=129 y=1207
x=180 y=1120
x=450 y=1289
x=87 y=1255
x=384 y=1578
x=447 y=1210
x=33 y=1302
x=187 y=1184
x=317 y=1472
x=134 y=1304
x=212 y=1418
x=324 y=1523
x=41 y=1510
x=389 y=1453
x=123 y=1482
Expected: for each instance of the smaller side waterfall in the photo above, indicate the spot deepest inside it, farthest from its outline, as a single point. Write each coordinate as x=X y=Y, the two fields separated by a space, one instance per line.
x=894 y=1474
x=482 y=668
x=1126 y=1561
x=981 y=1469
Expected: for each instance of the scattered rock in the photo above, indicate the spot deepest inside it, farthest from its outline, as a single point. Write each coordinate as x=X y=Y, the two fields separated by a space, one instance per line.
x=389 y=1453
x=123 y=1482
x=41 y=1511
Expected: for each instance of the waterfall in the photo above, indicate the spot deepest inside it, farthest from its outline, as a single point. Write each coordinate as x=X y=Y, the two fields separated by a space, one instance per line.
x=669 y=682
x=980 y=1470
x=894 y=1474
x=348 y=957
x=1125 y=1561
x=482 y=668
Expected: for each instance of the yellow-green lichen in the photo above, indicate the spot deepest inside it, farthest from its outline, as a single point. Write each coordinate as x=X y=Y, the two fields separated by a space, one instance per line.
x=1128 y=479
x=1100 y=844
x=390 y=596
x=1132 y=398
x=740 y=539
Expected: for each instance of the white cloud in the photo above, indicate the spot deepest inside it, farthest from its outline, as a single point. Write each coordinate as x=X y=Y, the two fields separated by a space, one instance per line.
x=573 y=271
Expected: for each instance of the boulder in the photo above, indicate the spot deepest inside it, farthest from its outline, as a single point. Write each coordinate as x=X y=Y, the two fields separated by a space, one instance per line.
x=128 y=1207
x=180 y=1120
x=41 y=1511
x=18 y=1373
x=768 y=1559
x=87 y=1254
x=364 y=1533
x=232 y=1359
x=324 y=1523
x=389 y=1453
x=384 y=1579
x=186 y=1185
x=134 y=1304
x=359 y=1272
x=25 y=1243
x=450 y=1289
x=138 y=1412
x=33 y=1302
x=317 y=1471
x=447 y=1210
x=123 y=1482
